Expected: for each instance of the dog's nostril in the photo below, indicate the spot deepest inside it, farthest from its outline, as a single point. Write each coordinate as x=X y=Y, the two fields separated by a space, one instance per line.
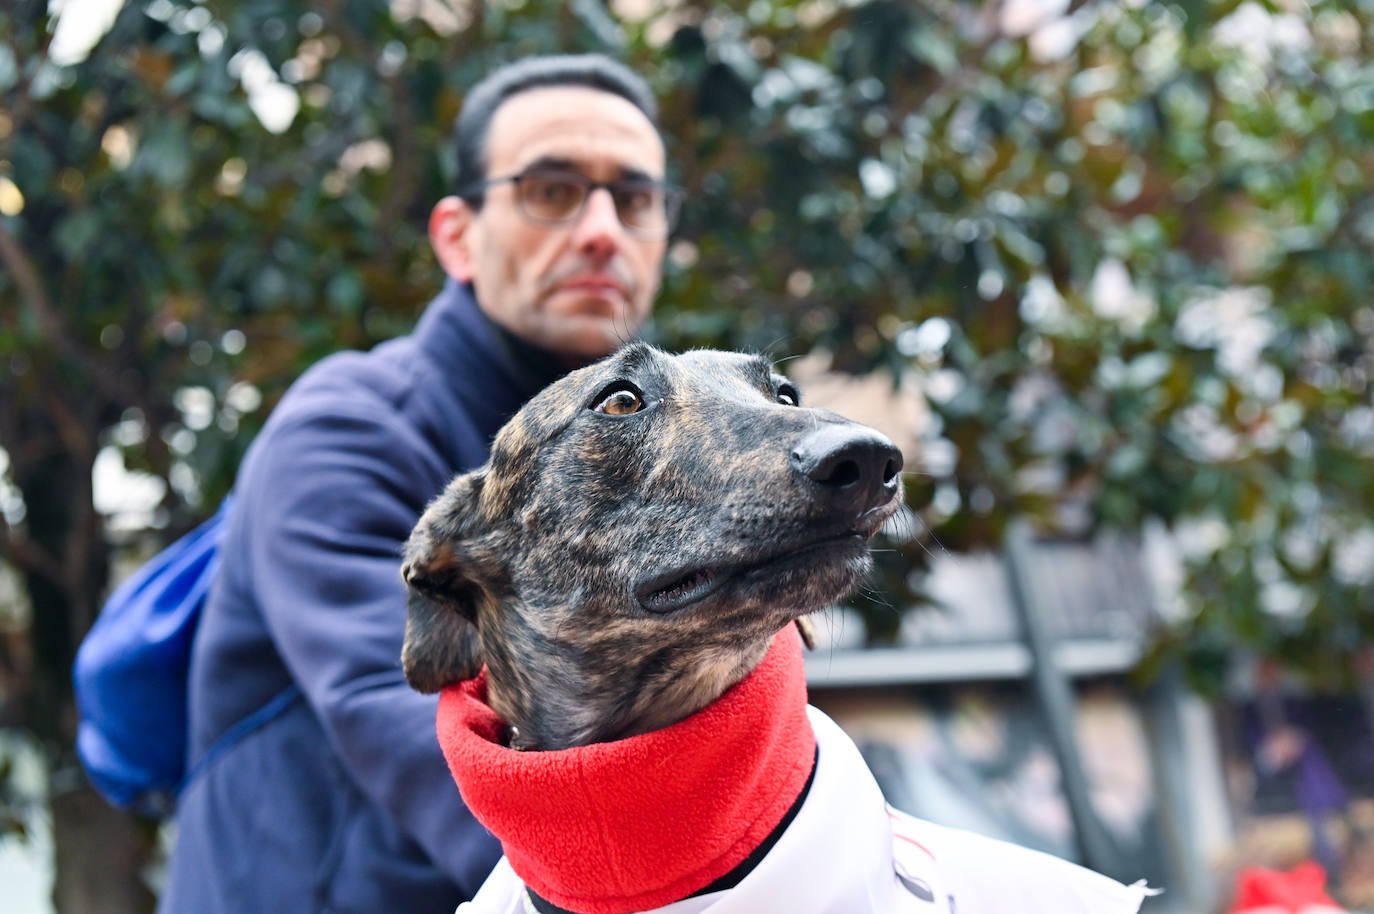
x=844 y=473
x=890 y=471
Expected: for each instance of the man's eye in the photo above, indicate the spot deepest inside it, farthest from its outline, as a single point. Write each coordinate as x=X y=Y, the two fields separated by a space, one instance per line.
x=636 y=198
x=620 y=401
x=552 y=193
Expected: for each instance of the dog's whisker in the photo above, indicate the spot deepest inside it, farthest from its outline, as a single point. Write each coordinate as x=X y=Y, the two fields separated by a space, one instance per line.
x=625 y=332
x=777 y=344
x=878 y=597
x=944 y=553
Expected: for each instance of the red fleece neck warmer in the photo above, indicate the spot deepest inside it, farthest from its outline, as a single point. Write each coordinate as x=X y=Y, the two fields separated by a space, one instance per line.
x=639 y=823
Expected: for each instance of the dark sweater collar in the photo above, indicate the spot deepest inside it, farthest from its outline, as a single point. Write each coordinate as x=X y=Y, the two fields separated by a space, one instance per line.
x=488 y=368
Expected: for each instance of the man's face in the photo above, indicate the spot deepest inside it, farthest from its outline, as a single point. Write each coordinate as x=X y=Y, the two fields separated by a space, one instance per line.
x=580 y=288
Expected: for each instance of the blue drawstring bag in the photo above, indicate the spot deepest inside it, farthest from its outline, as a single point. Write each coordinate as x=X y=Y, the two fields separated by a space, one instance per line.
x=131 y=674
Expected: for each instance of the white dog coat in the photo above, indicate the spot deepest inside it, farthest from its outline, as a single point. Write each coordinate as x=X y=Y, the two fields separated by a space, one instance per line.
x=847 y=852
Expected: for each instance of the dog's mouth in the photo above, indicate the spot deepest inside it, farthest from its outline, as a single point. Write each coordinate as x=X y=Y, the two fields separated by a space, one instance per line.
x=682 y=587
x=672 y=591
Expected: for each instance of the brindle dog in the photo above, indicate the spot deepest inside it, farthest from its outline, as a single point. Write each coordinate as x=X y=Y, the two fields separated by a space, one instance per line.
x=643 y=528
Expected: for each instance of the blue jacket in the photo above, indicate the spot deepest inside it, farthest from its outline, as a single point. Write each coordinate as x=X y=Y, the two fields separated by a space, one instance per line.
x=343 y=803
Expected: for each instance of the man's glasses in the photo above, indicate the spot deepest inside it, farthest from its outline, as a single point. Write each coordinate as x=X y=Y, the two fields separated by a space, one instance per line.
x=644 y=206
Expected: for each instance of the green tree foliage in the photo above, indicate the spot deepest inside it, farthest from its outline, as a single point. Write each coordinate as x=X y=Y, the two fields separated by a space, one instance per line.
x=1125 y=248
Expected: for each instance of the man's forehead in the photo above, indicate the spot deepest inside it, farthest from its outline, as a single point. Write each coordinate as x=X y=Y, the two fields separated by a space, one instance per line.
x=588 y=128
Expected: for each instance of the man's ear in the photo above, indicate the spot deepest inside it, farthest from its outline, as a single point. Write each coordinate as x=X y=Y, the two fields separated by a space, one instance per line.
x=449 y=235
x=441 y=641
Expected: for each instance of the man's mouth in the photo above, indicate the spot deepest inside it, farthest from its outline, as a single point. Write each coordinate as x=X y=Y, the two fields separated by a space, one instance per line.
x=682 y=587
x=603 y=286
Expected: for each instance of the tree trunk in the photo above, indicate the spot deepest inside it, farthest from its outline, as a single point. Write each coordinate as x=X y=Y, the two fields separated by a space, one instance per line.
x=101 y=854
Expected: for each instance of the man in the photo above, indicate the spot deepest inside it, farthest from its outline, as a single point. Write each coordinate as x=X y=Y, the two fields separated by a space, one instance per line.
x=341 y=800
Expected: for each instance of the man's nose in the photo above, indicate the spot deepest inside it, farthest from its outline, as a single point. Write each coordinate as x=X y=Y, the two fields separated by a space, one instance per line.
x=598 y=230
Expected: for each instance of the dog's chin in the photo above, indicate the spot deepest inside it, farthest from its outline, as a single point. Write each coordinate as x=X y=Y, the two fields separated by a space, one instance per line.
x=803 y=577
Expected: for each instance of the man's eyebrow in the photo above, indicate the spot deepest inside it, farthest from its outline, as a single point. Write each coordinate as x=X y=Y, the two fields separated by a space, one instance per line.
x=550 y=162
x=553 y=163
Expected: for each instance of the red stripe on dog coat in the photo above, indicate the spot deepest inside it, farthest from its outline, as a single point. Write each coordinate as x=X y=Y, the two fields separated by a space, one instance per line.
x=638 y=823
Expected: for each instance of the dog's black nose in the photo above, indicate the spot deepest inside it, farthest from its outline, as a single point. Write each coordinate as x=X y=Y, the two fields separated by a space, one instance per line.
x=854 y=464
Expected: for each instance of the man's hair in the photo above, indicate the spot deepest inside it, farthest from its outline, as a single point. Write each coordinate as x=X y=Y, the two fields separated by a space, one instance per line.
x=594 y=71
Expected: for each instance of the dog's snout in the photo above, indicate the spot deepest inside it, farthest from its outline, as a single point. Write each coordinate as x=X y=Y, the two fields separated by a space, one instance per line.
x=852 y=463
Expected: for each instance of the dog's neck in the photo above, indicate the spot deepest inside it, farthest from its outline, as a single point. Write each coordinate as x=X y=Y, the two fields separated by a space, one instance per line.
x=598 y=699
x=632 y=825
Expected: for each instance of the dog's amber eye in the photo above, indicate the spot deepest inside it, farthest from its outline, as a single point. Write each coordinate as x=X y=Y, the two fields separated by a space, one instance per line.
x=788 y=395
x=620 y=402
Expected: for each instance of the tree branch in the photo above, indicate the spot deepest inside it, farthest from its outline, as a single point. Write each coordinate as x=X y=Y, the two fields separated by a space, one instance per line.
x=31 y=287
x=27 y=279
x=31 y=558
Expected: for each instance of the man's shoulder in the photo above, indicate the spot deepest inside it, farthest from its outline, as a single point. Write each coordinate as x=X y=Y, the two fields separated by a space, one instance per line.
x=384 y=388
x=349 y=403
x=388 y=372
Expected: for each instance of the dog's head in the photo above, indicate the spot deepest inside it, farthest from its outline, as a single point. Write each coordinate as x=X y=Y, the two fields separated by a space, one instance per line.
x=642 y=529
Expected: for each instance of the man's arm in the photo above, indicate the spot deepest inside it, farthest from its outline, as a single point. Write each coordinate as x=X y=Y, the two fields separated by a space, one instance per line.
x=335 y=498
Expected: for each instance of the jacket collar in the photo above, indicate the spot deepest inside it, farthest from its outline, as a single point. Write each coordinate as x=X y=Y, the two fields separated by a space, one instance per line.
x=489 y=369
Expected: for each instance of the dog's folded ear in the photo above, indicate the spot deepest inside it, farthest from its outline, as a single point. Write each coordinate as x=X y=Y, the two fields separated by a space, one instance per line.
x=441 y=641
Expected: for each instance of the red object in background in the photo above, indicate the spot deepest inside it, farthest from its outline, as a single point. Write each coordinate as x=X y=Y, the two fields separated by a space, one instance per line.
x=1299 y=890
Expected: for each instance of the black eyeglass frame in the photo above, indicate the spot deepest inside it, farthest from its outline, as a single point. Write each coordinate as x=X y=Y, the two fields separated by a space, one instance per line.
x=673 y=197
